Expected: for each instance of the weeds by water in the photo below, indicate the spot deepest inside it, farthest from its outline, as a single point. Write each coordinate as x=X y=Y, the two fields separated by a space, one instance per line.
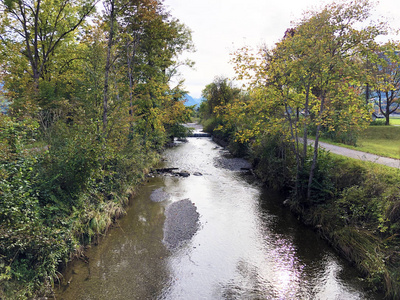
x=58 y=199
x=361 y=220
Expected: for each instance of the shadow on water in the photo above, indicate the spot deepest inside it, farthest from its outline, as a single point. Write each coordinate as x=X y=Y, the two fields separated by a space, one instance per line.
x=317 y=272
x=246 y=245
x=129 y=263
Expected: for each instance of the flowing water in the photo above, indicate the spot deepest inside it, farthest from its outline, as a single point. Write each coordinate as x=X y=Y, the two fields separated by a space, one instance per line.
x=246 y=244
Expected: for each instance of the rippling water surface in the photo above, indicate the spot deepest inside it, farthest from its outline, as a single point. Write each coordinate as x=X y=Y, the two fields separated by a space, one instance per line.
x=247 y=246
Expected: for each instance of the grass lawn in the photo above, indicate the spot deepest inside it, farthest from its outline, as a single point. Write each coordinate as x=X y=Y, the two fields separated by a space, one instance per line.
x=379 y=140
x=394 y=120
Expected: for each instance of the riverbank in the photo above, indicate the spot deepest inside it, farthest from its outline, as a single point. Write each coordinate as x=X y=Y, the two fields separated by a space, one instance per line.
x=355 y=207
x=239 y=241
x=45 y=225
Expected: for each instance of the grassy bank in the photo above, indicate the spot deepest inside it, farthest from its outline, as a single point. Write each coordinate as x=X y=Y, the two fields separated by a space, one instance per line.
x=362 y=219
x=394 y=120
x=381 y=140
x=355 y=205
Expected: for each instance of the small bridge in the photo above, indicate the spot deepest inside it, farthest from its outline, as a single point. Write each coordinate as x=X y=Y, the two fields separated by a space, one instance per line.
x=200 y=134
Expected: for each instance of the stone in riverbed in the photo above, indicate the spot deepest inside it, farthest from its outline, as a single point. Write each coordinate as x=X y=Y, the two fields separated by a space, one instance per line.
x=159 y=195
x=233 y=164
x=184 y=173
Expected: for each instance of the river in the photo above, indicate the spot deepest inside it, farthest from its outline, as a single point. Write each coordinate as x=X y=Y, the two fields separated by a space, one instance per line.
x=245 y=245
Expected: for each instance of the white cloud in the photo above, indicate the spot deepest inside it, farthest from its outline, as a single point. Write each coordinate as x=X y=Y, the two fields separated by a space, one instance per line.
x=221 y=26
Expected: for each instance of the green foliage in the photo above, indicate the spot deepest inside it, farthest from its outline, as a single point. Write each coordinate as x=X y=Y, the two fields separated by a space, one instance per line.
x=210 y=124
x=59 y=196
x=272 y=162
x=70 y=164
x=322 y=186
x=15 y=135
x=30 y=249
x=218 y=93
x=179 y=131
x=378 y=122
x=347 y=138
x=62 y=191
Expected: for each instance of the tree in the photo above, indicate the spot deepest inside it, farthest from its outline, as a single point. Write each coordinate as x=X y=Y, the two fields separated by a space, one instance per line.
x=386 y=79
x=218 y=93
x=310 y=76
x=336 y=44
x=111 y=12
x=39 y=27
x=162 y=40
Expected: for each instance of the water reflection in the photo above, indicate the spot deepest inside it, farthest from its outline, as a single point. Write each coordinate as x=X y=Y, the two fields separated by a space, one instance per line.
x=247 y=245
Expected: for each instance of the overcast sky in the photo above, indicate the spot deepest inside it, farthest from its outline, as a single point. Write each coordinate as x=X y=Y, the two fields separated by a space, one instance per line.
x=222 y=26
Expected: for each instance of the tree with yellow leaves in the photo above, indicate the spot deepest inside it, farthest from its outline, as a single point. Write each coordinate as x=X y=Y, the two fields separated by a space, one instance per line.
x=309 y=81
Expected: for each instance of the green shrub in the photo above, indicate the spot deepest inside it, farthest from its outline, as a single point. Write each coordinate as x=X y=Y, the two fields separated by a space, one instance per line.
x=344 y=137
x=30 y=250
x=378 y=122
x=69 y=166
x=271 y=159
x=178 y=131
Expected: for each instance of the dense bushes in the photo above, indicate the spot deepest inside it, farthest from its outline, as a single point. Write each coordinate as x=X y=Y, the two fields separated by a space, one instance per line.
x=105 y=108
x=57 y=197
x=270 y=158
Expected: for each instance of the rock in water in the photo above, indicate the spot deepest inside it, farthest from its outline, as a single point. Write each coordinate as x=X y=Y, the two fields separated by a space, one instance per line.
x=181 y=223
x=184 y=173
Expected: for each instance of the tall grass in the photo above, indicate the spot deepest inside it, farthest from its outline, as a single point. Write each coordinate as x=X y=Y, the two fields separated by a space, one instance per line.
x=362 y=220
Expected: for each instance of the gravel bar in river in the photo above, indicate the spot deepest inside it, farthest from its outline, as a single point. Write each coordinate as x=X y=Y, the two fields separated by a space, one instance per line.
x=181 y=223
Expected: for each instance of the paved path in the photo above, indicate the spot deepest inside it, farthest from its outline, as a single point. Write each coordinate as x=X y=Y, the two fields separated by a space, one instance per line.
x=391 y=162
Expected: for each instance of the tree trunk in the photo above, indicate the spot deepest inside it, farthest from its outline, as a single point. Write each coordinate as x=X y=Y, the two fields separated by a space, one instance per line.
x=315 y=156
x=367 y=94
x=387 y=113
x=295 y=147
x=108 y=65
x=305 y=142
x=130 y=83
x=130 y=57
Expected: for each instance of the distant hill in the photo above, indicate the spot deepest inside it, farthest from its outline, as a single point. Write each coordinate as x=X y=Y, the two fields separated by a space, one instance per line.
x=192 y=101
